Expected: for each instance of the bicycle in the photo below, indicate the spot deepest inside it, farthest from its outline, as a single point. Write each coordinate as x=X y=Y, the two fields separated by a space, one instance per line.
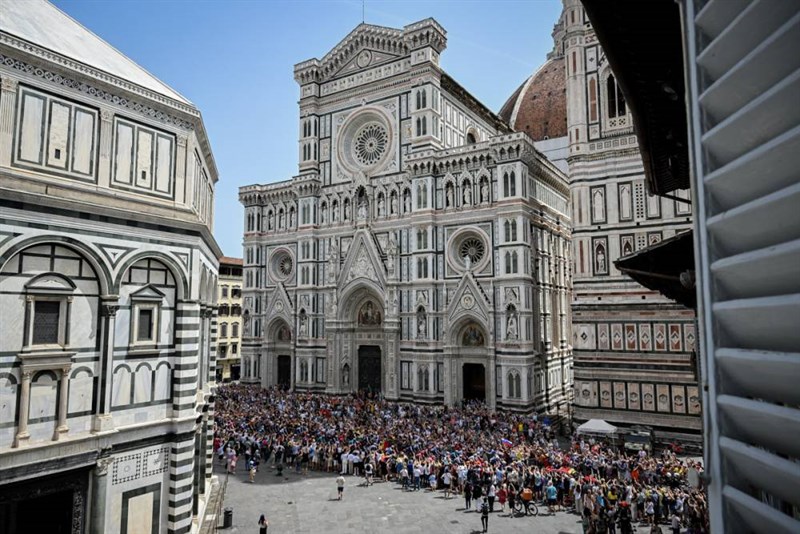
x=520 y=508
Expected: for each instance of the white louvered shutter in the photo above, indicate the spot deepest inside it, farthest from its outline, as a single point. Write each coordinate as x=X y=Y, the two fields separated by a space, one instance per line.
x=743 y=83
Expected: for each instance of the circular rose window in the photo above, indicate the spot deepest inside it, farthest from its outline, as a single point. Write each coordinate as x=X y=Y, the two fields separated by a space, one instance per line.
x=282 y=264
x=364 y=141
x=471 y=248
x=370 y=144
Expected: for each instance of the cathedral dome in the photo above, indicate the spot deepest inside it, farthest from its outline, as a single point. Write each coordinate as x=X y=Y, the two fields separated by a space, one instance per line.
x=539 y=106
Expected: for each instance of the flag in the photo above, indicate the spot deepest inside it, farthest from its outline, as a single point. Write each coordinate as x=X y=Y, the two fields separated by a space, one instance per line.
x=506 y=442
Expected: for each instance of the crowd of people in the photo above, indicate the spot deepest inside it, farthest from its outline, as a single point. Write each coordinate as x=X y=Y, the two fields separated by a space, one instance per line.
x=491 y=459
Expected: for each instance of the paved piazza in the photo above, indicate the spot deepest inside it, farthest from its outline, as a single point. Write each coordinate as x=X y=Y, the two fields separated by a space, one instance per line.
x=301 y=504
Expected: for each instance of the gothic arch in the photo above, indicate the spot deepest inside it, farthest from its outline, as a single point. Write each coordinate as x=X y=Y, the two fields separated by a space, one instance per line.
x=356 y=294
x=462 y=324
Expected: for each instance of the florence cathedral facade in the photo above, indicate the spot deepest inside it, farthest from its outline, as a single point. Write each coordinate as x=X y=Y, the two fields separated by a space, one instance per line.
x=423 y=249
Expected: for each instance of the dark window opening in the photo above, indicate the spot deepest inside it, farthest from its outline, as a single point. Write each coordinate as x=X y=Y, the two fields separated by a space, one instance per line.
x=45 y=322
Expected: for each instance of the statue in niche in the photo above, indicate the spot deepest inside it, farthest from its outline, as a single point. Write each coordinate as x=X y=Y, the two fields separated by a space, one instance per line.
x=346 y=374
x=448 y=197
x=362 y=209
x=467 y=262
x=281 y=220
x=467 y=194
x=393 y=205
x=369 y=316
x=600 y=258
x=270 y=221
x=511 y=328
x=381 y=206
x=335 y=212
x=291 y=218
x=333 y=262
x=472 y=337
x=484 y=190
x=391 y=251
x=346 y=212
x=323 y=214
x=421 y=328
x=407 y=202
x=303 y=325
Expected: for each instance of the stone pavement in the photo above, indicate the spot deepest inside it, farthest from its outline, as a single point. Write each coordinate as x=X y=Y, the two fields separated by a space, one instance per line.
x=306 y=504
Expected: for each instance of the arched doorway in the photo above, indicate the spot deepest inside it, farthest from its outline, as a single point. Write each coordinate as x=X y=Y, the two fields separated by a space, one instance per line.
x=474 y=381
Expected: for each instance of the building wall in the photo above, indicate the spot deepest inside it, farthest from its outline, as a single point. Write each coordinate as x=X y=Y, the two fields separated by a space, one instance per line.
x=366 y=249
x=107 y=270
x=634 y=350
x=229 y=327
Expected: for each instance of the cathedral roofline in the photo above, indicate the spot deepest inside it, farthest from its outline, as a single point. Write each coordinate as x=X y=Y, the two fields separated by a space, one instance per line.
x=396 y=43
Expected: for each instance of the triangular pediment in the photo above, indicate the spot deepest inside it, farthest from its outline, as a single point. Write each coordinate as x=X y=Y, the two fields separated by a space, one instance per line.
x=147 y=293
x=280 y=305
x=363 y=261
x=469 y=298
x=365 y=47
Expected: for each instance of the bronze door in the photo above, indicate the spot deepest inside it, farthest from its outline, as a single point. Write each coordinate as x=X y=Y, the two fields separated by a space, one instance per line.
x=369 y=368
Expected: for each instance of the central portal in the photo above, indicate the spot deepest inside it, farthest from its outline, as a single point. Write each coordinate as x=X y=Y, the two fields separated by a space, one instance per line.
x=369 y=368
x=474 y=381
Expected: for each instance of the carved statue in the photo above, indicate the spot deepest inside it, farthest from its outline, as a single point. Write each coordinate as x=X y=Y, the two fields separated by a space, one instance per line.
x=421 y=327
x=449 y=196
x=511 y=328
x=291 y=219
x=362 y=209
x=270 y=221
x=281 y=220
x=484 y=191
x=323 y=214
x=391 y=251
x=335 y=212
x=467 y=194
x=303 y=325
x=333 y=262
x=346 y=375
x=381 y=206
x=467 y=262
x=407 y=202
x=393 y=206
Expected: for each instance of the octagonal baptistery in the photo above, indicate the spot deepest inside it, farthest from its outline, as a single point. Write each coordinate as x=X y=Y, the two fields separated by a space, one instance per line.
x=422 y=250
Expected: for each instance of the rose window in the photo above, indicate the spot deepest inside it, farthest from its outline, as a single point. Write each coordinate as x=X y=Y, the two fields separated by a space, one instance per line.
x=472 y=248
x=285 y=266
x=282 y=265
x=370 y=144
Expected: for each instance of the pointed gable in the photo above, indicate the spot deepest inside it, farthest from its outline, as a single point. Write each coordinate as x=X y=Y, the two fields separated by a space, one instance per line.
x=280 y=305
x=363 y=261
x=469 y=298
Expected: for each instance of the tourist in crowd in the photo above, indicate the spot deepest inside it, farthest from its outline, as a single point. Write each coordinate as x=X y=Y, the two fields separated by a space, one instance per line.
x=468 y=450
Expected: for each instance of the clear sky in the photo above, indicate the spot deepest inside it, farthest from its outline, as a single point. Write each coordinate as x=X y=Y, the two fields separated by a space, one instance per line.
x=234 y=59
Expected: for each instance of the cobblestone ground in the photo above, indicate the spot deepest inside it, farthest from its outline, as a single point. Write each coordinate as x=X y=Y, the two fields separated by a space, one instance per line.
x=306 y=504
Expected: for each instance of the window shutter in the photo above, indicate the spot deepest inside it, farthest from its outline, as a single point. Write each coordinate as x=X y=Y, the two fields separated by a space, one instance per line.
x=743 y=74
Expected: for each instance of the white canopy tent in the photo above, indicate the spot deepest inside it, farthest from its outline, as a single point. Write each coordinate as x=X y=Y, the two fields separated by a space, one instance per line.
x=597 y=427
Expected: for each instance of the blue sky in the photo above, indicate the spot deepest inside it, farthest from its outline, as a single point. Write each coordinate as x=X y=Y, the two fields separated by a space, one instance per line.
x=234 y=60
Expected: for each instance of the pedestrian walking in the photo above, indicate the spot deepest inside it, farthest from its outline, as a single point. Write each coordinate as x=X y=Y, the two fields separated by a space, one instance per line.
x=263 y=524
x=485 y=515
x=340 y=486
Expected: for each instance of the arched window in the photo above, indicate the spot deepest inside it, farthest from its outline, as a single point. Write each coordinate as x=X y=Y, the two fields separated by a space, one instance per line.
x=505 y=184
x=592 y=100
x=471 y=138
x=315 y=128
x=513 y=230
x=424 y=126
x=424 y=98
x=419 y=124
x=508 y=263
x=514 y=262
x=616 y=100
x=223 y=330
x=422 y=197
x=507 y=231
x=512 y=184
x=419 y=104
x=514 y=385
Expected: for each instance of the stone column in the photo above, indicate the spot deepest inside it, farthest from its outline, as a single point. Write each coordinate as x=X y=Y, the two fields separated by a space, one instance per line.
x=24 y=406
x=99 y=495
x=63 y=397
x=8 y=104
x=491 y=392
x=108 y=311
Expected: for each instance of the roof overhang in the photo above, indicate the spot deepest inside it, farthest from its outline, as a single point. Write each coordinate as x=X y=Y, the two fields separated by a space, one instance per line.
x=666 y=267
x=643 y=44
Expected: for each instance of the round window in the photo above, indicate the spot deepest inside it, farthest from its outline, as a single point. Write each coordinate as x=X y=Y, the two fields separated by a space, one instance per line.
x=472 y=248
x=282 y=264
x=370 y=144
x=468 y=250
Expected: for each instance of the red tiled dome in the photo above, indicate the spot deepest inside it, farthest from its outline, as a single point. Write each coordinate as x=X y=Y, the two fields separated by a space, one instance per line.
x=539 y=106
